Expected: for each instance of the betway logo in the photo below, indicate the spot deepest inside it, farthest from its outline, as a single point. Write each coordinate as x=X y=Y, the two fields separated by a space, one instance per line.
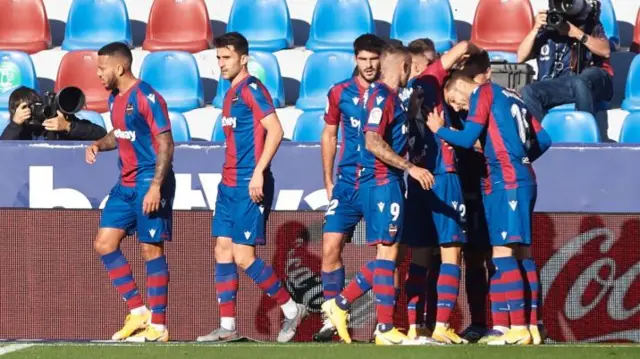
x=125 y=135
x=229 y=121
x=42 y=194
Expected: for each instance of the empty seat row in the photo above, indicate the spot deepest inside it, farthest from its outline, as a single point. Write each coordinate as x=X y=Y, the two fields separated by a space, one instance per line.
x=185 y=24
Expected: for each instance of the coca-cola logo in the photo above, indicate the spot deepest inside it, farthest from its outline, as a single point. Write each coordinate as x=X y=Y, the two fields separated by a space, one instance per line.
x=591 y=285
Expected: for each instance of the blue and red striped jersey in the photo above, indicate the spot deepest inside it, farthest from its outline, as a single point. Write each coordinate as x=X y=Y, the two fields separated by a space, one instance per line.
x=386 y=116
x=344 y=109
x=426 y=150
x=138 y=117
x=508 y=134
x=245 y=105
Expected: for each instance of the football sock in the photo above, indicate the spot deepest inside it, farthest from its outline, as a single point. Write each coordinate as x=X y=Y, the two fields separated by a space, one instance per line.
x=262 y=274
x=332 y=283
x=361 y=284
x=530 y=274
x=157 y=290
x=510 y=283
x=226 y=284
x=415 y=287
x=477 y=288
x=448 y=284
x=120 y=274
x=385 y=293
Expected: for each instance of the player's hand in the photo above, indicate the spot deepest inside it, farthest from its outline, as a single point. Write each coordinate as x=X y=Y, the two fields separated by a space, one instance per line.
x=22 y=114
x=256 y=186
x=91 y=153
x=57 y=124
x=423 y=176
x=329 y=189
x=435 y=120
x=541 y=20
x=151 y=202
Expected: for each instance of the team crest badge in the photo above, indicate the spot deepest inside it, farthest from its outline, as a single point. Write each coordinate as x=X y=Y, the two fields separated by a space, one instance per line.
x=129 y=109
x=393 y=230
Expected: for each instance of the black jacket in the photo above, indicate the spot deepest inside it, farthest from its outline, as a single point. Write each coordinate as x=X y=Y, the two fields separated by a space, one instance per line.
x=81 y=130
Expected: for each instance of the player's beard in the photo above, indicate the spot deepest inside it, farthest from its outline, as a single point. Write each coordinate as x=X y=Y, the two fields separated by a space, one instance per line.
x=111 y=83
x=371 y=78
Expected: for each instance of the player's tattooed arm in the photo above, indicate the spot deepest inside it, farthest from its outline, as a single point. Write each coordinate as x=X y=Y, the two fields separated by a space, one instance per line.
x=108 y=142
x=164 y=158
x=381 y=149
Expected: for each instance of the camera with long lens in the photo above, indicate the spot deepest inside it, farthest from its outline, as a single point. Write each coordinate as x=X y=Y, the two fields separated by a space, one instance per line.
x=69 y=101
x=578 y=12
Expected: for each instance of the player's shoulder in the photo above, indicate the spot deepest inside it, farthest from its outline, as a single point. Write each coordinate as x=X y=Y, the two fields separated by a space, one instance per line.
x=380 y=88
x=486 y=89
x=340 y=86
x=146 y=90
x=254 y=84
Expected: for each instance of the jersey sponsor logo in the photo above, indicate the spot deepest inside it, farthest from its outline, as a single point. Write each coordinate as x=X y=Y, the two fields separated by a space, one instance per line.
x=125 y=135
x=129 y=109
x=375 y=116
x=355 y=123
x=229 y=121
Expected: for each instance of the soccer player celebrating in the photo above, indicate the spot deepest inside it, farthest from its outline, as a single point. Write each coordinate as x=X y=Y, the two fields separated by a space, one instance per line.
x=142 y=199
x=382 y=166
x=511 y=139
x=443 y=204
x=253 y=134
x=344 y=108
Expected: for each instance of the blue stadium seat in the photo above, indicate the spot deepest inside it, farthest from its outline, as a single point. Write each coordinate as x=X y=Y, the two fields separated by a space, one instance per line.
x=92 y=24
x=179 y=127
x=571 y=127
x=600 y=106
x=16 y=69
x=414 y=19
x=323 y=70
x=264 y=66
x=631 y=101
x=610 y=23
x=265 y=23
x=182 y=90
x=309 y=127
x=336 y=24
x=4 y=120
x=498 y=56
x=218 y=134
x=92 y=116
x=630 y=132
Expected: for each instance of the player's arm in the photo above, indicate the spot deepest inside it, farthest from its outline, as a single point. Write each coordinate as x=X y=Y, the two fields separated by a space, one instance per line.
x=329 y=140
x=530 y=45
x=457 y=53
x=271 y=123
x=466 y=138
x=154 y=110
x=542 y=142
x=164 y=157
x=106 y=143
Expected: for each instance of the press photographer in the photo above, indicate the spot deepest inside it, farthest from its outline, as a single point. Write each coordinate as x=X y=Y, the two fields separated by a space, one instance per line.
x=572 y=52
x=50 y=118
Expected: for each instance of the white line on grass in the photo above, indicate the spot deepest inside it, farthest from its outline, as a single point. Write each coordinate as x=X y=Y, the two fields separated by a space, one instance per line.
x=14 y=348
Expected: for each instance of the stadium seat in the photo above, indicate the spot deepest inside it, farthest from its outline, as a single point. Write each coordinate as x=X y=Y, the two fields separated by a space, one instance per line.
x=631 y=101
x=336 y=24
x=630 y=132
x=179 y=127
x=4 y=120
x=265 y=23
x=571 y=127
x=500 y=26
x=92 y=116
x=25 y=26
x=78 y=68
x=635 y=45
x=414 y=19
x=16 y=69
x=178 y=25
x=610 y=23
x=309 y=127
x=92 y=24
x=218 y=134
x=183 y=89
x=321 y=71
x=600 y=106
x=265 y=67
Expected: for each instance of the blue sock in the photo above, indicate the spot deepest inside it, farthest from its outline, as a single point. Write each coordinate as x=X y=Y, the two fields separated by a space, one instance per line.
x=332 y=283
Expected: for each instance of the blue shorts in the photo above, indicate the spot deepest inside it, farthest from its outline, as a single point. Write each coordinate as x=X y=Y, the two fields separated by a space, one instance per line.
x=509 y=214
x=237 y=217
x=435 y=217
x=476 y=227
x=124 y=211
x=383 y=210
x=344 y=211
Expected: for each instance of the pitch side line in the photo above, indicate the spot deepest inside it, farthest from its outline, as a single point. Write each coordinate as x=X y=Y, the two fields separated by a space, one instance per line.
x=14 y=348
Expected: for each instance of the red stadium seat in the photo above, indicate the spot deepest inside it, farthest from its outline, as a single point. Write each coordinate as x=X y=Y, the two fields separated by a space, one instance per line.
x=501 y=25
x=24 y=26
x=178 y=26
x=78 y=68
x=635 y=45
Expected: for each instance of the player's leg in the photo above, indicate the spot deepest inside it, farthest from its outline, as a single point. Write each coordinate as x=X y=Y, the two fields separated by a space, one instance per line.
x=118 y=219
x=153 y=230
x=250 y=230
x=225 y=270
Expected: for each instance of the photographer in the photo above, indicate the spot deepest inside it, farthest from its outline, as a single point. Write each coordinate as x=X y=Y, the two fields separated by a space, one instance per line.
x=25 y=126
x=572 y=53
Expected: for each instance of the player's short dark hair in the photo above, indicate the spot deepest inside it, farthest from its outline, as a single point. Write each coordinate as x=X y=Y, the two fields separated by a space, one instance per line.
x=20 y=95
x=235 y=39
x=118 y=49
x=424 y=46
x=476 y=64
x=368 y=42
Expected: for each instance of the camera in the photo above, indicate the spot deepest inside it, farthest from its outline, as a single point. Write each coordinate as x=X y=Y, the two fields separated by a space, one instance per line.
x=578 y=12
x=69 y=101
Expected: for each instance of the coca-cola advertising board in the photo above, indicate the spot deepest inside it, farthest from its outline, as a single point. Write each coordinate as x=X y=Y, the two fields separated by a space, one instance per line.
x=53 y=286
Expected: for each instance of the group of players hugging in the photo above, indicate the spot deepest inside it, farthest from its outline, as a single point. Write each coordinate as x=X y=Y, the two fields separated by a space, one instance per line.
x=465 y=143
